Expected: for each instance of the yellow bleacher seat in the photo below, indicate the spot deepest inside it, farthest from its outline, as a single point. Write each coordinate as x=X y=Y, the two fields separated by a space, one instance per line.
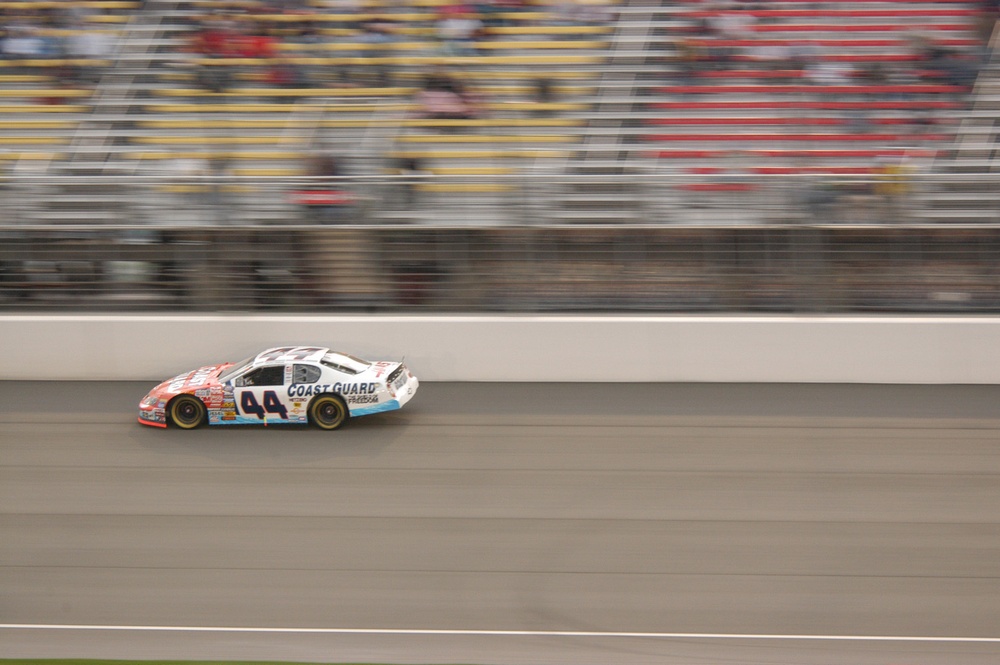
x=425 y=60
x=480 y=138
x=37 y=124
x=285 y=92
x=550 y=44
x=359 y=46
x=471 y=170
x=276 y=172
x=494 y=122
x=53 y=4
x=535 y=106
x=510 y=90
x=24 y=78
x=225 y=154
x=550 y=30
x=54 y=62
x=29 y=140
x=201 y=189
x=33 y=156
x=253 y=123
x=212 y=124
x=463 y=187
x=42 y=108
x=480 y=154
x=210 y=140
x=45 y=92
x=507 y=74
x=278 y=108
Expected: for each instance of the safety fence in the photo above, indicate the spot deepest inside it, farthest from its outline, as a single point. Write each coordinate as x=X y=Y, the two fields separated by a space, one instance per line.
x=556 y=268
x=649 y=193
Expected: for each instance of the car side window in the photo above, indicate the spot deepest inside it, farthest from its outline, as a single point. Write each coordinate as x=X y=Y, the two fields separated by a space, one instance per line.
x=264 y=376
x=305 y=374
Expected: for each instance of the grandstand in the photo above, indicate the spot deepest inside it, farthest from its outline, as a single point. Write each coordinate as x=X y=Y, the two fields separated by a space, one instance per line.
x=515 y=155
x=729 y=104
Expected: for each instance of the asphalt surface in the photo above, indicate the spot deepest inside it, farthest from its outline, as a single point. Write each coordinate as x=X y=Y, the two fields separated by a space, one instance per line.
x=806 y=525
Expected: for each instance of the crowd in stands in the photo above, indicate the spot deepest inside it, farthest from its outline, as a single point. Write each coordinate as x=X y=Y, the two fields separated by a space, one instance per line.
x=878 y=81
x=726 y=38
x=296 y=34
x=63 y=34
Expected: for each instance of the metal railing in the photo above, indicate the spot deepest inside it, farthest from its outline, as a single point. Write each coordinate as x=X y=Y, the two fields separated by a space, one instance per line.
x=294 y=245
x=643 y=197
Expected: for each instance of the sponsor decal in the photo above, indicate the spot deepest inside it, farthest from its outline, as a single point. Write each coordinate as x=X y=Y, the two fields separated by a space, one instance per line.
x=345 y=389
x=193 y=379
x=362 y=399
x=203 y=392
x=271 y=404
x=229 y=404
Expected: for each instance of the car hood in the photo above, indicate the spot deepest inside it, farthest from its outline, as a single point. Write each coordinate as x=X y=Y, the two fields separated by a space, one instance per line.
x=203 y=377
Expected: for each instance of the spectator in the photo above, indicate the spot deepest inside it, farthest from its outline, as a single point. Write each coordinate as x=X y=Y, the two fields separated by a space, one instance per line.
x=458 y=31
x=491 y=14
x=376 y=35
x=214 y=39
x=253 y=43
x=90 y=48
x=444 y=98
x=411 y=173
x=829 y=73
x=23 y=41
x=734 y=24
x=347 y=9
x=892 y=187
x=287 y=74
x=213 y=78
x=544 y=94
x=802 y=54
x=323 y=198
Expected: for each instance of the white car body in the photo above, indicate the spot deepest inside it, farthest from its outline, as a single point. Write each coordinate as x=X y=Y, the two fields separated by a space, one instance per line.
x=277 y=386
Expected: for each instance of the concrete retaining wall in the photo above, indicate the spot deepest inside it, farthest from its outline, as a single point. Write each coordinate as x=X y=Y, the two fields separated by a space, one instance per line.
x=524 y=348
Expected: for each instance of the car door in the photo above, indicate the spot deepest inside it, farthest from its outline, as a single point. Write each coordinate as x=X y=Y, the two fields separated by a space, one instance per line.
x=260 y=394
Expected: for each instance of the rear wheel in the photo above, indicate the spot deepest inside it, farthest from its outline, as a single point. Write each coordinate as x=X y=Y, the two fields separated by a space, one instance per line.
x=187 y=412
x=328 y=412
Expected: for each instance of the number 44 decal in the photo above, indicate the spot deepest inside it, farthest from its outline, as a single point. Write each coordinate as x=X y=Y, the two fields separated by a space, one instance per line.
x=250 y=407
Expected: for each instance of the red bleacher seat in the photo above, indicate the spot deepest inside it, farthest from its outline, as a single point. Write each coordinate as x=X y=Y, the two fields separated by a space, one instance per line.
x=807 y=105
x=915 y=89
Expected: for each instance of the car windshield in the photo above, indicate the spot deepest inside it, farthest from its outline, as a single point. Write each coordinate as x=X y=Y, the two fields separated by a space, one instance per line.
x=345 y=362
x=236 y=369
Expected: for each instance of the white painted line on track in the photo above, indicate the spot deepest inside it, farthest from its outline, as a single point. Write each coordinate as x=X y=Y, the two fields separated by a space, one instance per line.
x=500 y=633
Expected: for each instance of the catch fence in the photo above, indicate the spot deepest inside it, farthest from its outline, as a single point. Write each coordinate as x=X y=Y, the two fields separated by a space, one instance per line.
x=350 y=245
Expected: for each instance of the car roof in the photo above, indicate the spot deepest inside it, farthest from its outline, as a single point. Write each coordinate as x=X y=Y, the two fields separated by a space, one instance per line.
x=283 y=354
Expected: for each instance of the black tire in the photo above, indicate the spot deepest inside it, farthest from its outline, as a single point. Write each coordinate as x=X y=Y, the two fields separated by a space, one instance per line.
x=187 y=411
x=328 y=412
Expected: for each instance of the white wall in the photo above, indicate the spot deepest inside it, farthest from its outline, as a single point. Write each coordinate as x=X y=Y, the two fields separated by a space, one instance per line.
x=525 y=348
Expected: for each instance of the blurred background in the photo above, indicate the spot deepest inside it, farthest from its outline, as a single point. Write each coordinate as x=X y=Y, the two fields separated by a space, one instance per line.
x=500 y=155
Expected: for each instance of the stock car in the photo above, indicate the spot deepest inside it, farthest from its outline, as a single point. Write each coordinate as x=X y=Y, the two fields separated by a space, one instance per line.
x=289 y=384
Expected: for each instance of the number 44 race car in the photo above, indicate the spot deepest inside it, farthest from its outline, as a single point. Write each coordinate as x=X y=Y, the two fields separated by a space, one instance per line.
x=291 y=384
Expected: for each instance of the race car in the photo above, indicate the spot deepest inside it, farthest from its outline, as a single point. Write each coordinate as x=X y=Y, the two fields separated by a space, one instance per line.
x=288 y=384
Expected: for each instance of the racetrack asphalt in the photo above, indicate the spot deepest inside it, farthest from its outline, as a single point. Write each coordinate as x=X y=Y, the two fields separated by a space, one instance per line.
x=736 y=524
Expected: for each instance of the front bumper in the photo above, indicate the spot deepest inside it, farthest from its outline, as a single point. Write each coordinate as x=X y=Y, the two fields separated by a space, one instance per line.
x=152 y=415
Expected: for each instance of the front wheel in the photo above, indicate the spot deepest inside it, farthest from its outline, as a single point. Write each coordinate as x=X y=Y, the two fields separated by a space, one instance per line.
x=328 y=412
x=187 y=412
